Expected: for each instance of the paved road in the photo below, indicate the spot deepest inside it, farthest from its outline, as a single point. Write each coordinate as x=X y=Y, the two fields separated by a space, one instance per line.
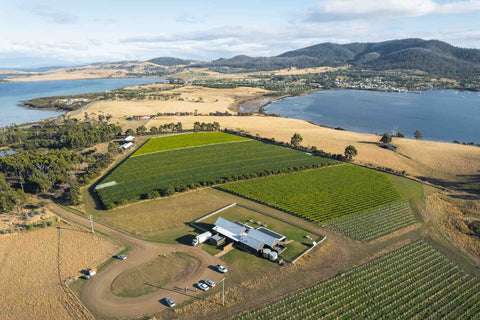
x=97 y=295
x=75 y=112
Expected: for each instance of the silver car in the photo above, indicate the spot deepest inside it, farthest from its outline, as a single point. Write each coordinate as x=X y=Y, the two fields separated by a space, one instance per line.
x=209 y=283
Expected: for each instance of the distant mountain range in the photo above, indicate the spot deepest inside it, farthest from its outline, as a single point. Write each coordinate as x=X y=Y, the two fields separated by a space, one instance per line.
x=427 y=55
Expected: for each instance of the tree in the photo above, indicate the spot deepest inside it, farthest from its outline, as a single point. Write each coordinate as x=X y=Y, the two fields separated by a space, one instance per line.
x=153 y=130
x=296 y=139
x=141 y=130
x=400 y=135
x=179 y=127
x=386 y=138
x=350 y=152
x=7 y=195
x=129 y=132
x=418 y=135
x=112 y=147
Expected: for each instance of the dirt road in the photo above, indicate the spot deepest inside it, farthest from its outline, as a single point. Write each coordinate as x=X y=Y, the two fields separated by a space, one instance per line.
x=97 y=295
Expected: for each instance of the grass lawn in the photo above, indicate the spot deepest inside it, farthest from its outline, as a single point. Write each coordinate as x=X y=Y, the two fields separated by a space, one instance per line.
x=321 y=194
x=185 y=141
x=256 y=219
x=141 y=176
x=244 y=266
x=148 y=277
x=164 y=219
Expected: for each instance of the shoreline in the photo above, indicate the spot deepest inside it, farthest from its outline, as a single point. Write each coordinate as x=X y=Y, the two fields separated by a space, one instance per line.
x=24 y=79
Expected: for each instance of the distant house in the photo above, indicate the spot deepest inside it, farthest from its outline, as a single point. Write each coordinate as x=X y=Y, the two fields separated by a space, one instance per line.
x=145 y=117
x=129 y=139
x=249 y=238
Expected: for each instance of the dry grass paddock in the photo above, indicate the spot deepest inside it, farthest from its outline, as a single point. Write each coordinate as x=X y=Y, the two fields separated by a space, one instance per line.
x=191 y=99
x=33 y=264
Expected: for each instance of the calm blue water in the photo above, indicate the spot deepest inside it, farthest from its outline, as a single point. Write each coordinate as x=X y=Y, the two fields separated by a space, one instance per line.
x=440 y=115
x=12 y=93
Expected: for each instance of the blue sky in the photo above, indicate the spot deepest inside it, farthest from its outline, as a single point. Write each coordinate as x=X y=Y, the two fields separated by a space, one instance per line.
x=42 y=33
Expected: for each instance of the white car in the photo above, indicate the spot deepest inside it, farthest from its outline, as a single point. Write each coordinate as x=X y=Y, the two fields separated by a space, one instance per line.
x=169 y=302
x=209 y=283
x=221 y=269
x=202 y=286
x=122 y=257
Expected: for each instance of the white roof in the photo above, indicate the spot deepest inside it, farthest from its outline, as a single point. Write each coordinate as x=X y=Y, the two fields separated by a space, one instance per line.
x=126 y=145
x=263 y=237
x=232 y=227
x=129 y=138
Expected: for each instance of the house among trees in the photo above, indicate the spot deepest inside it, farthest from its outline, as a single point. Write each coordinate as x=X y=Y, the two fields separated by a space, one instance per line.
x=249 y=238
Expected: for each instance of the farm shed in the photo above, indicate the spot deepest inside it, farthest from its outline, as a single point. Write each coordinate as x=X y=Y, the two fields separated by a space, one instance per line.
x=126 y=146
x=249 y=238
x=129 y=139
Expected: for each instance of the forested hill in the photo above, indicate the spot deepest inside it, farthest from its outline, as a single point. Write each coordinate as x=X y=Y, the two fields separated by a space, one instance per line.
x=428 y=55
x=170 y=61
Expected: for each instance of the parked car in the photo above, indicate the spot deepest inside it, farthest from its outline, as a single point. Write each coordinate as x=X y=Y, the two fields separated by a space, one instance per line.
x=209 y=283
x=221 y=269
x=202 y=286
x=170 y=302
x=122 y=257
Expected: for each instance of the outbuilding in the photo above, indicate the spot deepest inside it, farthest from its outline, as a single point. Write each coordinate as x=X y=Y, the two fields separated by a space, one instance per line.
x=217 y=240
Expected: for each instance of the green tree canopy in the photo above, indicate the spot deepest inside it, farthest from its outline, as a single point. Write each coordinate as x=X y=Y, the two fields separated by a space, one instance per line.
x=386 y=138
x=418 y=135
x=350 y=152
x=296 y=139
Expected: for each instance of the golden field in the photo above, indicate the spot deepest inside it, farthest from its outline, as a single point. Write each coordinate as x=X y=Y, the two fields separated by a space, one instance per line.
x=418 y=158
x=191 y=99
x=33 y=263
x=89 y=72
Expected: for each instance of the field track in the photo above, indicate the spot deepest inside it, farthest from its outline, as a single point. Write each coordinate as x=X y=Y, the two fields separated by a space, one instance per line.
x=97 y=295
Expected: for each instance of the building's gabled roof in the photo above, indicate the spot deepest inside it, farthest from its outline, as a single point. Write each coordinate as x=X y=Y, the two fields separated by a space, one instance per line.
x=263 y=237
x=251 y=242
x=232 y=227
x=272 y=233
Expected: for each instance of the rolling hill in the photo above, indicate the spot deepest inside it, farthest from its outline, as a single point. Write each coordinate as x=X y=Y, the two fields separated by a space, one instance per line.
x=427 y=55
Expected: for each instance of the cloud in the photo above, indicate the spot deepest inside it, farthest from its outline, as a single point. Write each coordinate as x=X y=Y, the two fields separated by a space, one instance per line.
x=54 y=16
x=328 y=10
x=191 y=19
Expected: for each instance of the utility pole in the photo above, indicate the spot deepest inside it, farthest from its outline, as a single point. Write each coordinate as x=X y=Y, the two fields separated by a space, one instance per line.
x=91 y=224
x=223 y=292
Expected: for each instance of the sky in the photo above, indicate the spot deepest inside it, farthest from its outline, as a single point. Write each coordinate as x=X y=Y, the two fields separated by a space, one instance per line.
x=44 y=33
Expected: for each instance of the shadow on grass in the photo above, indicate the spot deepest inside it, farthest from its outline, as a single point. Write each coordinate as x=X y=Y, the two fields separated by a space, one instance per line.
x=186 y=239
x=176 y=290
x=469 y=184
